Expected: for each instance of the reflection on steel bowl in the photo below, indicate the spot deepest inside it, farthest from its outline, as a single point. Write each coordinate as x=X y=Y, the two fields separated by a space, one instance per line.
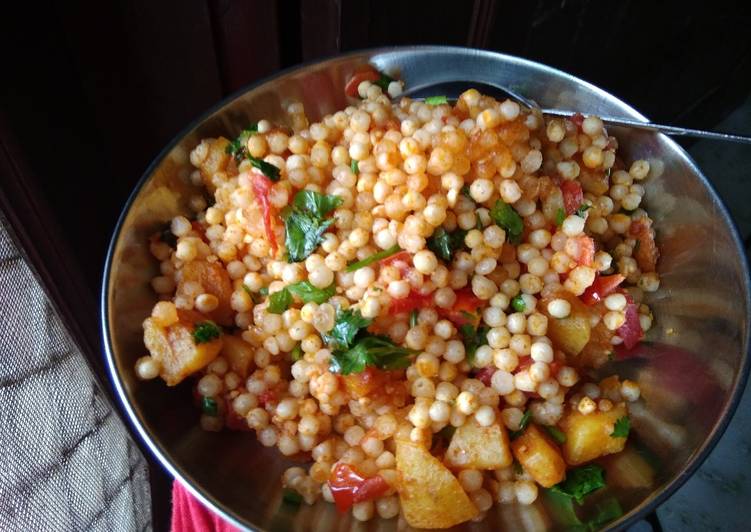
x=428 y=313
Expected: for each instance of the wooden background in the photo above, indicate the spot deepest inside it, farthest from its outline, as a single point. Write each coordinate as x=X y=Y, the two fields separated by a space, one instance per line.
x=92 y=90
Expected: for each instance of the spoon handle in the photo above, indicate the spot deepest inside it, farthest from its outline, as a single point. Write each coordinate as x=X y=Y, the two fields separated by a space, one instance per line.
x=668 y=130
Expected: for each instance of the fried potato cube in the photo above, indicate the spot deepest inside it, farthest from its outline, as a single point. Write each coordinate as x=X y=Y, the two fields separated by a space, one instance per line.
x=216 y=161
x=572 y=333
x=175 y=349
x=239 y=353
x=430 y=495
x=590 y=436
x=475 y=447
x=215 y=280
x=539 y=456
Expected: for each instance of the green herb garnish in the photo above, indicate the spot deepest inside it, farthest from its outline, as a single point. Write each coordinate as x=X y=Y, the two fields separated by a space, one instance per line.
x=563 y=512
x=472 y=339
x=305 y=223
x=556 y=433
x=264 y=291
x=296 y=353
x=206 y=331
x=522 y=425
x=506 y=217
x=208 y=406
x=375 y=257
x=281 y=300
x=268 y=169
x=383 y=81
x=291 y=497
x=413 y=319
x=581 y=481
x=465 y=192
x=237 y=148
x=582 y=209
x=518 y=303
x=445 y=244
x=355 y=167
x=370 y=350
x=622 y=428
x=348 y=323
x=560 y=215
x=436 y=100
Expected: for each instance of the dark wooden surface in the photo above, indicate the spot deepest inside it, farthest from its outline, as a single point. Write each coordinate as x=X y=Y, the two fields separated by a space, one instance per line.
x=91 y=91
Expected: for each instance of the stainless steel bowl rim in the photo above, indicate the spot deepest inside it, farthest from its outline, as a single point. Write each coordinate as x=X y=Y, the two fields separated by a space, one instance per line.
x=637 y=513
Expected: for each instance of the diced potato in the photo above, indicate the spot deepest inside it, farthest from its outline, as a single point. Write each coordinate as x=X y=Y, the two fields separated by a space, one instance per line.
x=629 y=469
x=173 y=347
x=430 y=495
x=216 y=161
x=239 y=354
x=539 y=456
x=589 y=436
x=476 y=447
x=572 y=333
x=594 y=181
x=215 y=280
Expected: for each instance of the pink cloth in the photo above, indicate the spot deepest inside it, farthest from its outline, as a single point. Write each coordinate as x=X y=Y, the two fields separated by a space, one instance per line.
x=190 y=515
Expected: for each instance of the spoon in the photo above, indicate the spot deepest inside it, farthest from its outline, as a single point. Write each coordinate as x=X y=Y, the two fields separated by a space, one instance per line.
x=497 y=92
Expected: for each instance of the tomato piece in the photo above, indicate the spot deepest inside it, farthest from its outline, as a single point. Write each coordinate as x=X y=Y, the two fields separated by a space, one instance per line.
x=402 y=261
x=266 y=397
x=631 y=331
x=366 y=73
x=646 y=254
x=601 y=288
x=414 y=301
x=578 y=119
x=261 y=190
x=485 y=375
x=585 y=254
x=573 y=196
x=466 y=304
x=349 y=487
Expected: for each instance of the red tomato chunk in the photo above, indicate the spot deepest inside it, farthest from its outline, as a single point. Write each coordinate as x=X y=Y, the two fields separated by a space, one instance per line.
x=349 y=487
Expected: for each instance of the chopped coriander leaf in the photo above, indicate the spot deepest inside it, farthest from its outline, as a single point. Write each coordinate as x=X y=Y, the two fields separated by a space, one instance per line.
x=581 y=481
x=560 y=215
x=309 y=293
x=355 y=167
x=375 y=257
x=445 y=244
x=256 y=297
x=478 y=224
x=237 y=148
x=465 y=191
x=622 y=428
x=208 y=406
x=522 y=425
x=413 y=318
x=315 y=203
x=264 y=291
x=296 y=353
x=291 y=497
x=279 y=301
x=506 y=217
x=370 y=350
x=247 y=289
x=348 y=323
x=383 y=81
x=170 y=239
x=582 y=209
x=268 y=169
x=305 y=223
x=472 y=339
x=206 y=331
x=436 y=100
x=556 y=433
x=518 y=303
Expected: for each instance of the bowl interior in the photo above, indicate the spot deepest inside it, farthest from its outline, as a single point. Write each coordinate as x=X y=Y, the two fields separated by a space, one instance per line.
x=690 y=369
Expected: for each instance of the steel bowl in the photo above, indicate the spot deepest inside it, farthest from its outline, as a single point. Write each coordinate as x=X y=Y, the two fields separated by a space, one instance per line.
x=692 y=368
